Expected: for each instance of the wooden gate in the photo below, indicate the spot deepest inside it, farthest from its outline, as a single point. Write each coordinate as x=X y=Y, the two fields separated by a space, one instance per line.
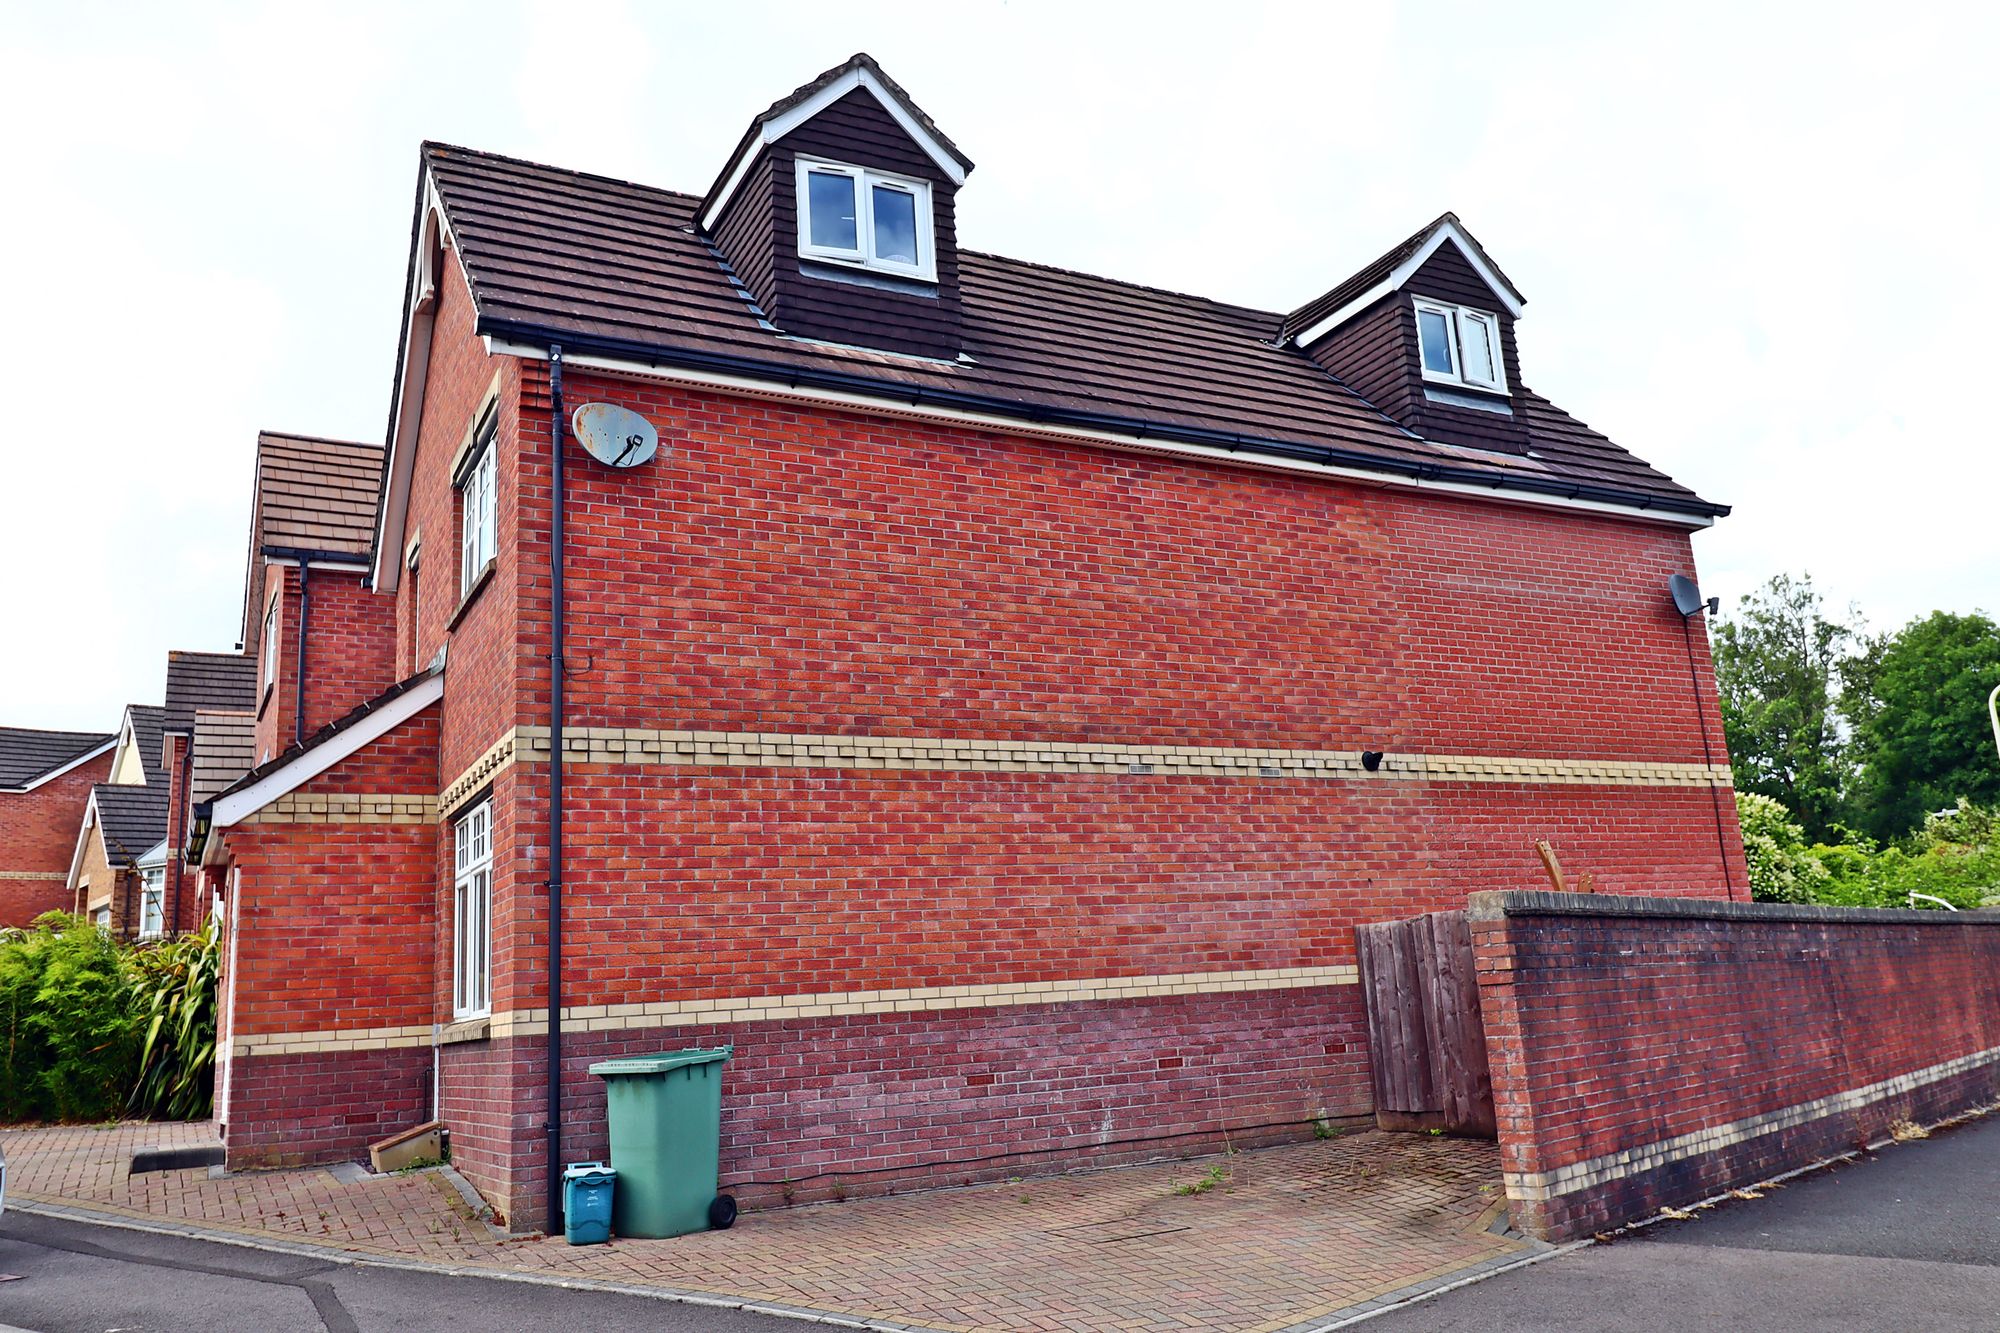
x=1426 y=1040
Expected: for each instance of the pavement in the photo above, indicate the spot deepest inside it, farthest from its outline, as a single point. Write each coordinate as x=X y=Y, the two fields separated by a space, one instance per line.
x=1277 y=1238
x=1905 y=1238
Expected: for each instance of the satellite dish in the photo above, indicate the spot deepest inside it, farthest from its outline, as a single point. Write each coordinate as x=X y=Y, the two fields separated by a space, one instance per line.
x=615 y=436
x=1687 y=594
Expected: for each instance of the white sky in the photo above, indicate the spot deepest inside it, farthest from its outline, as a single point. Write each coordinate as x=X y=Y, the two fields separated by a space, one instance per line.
x=1755 y=242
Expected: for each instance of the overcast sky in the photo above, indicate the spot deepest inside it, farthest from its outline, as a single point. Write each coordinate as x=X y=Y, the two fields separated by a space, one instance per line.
x=1756 y=250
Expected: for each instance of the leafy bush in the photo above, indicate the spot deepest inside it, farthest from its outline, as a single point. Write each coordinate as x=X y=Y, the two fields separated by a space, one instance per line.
x=68 y=1035
x=1955 y=856
x=173 y=992
x=1782 y=868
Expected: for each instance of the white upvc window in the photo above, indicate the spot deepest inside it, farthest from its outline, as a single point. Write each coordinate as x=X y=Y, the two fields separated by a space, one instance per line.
x=476 y=520
x=1459 y=345
x=866 y=219
x=270 y=650
x=472 y=905
x=152 y=903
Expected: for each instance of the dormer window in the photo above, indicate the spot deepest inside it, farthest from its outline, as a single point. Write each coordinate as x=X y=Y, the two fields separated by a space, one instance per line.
x=864 y=219
x=1460 y=346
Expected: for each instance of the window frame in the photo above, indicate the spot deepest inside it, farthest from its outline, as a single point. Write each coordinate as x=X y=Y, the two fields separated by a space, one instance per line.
x=269 y=650
x=478 y=486
x=472 y=887
x=863 y=256
x=1454 y=316
x=153 y=896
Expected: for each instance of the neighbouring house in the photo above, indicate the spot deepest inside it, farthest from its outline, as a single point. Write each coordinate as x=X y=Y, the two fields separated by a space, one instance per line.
x=45 y=782
x=989 y=711
x=118 y=869
x=217 y=691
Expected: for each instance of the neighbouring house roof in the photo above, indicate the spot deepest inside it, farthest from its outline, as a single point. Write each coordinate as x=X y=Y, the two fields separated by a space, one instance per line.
x=315 y=494
x=619 y=270
x=148 y=724
x=225 y=747
x=220 y=682
x=29 y=757
x=133 y=819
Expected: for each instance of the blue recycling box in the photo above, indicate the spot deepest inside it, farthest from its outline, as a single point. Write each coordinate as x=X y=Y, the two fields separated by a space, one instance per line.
x=587 y=1189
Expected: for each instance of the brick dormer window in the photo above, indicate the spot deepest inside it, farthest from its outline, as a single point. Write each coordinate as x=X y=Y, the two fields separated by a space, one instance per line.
x=866 y=219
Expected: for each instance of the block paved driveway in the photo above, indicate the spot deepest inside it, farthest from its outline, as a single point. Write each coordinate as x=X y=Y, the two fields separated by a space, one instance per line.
x=1292 y=1236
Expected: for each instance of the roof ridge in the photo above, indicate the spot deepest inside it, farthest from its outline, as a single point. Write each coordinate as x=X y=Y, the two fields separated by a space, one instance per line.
x=58 y=731
x=430 y=144
x=263 y=435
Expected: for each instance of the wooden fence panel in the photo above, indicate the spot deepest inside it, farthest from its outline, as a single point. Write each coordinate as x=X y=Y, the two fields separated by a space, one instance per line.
x=1426 y=1038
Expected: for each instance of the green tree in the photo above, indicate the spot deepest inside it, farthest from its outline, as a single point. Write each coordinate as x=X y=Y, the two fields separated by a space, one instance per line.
x=1777 y=667
x=1782 y=868
x=1917 y=702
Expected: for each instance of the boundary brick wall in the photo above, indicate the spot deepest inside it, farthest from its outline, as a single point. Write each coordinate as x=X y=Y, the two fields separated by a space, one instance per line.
x=38 y=832
x=1652 y=1052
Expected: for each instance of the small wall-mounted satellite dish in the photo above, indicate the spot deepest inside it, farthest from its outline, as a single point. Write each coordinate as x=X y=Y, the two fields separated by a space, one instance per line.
x=615 y=436
x=1687 y=594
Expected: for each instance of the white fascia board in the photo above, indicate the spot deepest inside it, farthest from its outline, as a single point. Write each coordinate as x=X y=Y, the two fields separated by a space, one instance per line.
x=229 y=809
x=412 y=380
x=745 y=387
x=90 y=825
x=778 y=127
x=1509 y=298
x=152 y=857
x=77 y=762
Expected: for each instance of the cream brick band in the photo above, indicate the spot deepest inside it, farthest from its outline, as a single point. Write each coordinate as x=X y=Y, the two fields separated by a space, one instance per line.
x=830 y=1004
x=34 y=874
x=1562 y=1180
x=717 y=749
x=349 y=808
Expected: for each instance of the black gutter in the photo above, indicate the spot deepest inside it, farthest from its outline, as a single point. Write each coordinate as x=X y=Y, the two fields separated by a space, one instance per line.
x=780 y=375
x=556 y=627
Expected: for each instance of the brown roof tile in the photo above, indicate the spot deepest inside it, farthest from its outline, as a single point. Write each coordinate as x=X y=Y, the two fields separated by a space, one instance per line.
x=225 y=746
x=225 y=681
x=28 y=754
x=616 y=267
x=316 y=494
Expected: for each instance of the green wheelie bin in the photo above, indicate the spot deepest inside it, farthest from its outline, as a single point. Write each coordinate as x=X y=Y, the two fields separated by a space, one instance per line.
x=666 y=1126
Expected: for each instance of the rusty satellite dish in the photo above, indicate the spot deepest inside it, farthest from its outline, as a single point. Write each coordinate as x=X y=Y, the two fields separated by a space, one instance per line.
x=615 y=436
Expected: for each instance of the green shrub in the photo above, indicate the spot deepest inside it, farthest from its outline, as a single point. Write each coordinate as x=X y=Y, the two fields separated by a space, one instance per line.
x=1782 y=868
x=173 y=993
x=68 y=1035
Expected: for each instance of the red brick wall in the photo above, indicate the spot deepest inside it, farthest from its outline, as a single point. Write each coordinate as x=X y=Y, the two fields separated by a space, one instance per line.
x=350 y=653
x=38 y=831
x=1615 y=1026
x=334 y=931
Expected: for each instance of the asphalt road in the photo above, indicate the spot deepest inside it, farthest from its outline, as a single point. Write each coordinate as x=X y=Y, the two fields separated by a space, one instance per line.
x=78 y=1278
x=1906 y=1240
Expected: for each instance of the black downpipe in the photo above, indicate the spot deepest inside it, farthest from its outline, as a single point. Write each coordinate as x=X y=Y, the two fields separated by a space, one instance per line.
x=305 y=609
x=555 y=783
x=1707 y=755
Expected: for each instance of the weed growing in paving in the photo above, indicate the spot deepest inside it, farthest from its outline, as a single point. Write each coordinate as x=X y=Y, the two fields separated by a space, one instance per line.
x=1216 y=1175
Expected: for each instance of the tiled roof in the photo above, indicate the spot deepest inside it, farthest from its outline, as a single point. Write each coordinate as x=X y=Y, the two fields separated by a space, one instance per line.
x=148 y=726
x=27 y=754
x=134 y=818
x=225 y=746
x=315 y=494
x=618 y=268
x=1313 y=311
x=224 y=682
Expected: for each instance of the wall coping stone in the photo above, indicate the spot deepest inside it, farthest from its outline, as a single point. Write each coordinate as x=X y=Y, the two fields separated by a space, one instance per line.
x=1497 y=905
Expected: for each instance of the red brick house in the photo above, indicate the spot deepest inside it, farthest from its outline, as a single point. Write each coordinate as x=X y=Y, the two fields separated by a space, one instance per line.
x=45 y=782
x=990 y=709
x=118 y=869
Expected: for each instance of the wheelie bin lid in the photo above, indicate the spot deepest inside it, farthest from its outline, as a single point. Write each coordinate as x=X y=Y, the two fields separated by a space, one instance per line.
x=590 y=1173
x=661 y=1063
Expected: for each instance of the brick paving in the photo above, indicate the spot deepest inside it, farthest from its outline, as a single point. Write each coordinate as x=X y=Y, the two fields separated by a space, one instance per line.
x=1289 y=1236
